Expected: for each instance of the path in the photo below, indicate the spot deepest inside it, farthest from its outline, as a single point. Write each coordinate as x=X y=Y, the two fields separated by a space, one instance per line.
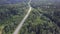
x=23 y=20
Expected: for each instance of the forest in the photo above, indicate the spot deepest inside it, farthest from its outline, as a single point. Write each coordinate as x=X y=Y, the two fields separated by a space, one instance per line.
x=43 y=19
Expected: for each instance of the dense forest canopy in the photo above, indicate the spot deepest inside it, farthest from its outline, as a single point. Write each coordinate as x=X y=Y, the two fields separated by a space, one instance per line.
x=43 y=19
x=49 y=7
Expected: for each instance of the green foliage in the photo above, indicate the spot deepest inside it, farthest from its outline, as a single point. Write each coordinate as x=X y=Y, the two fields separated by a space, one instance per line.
x=11 y=15
x=43 y=19
x=37 y=23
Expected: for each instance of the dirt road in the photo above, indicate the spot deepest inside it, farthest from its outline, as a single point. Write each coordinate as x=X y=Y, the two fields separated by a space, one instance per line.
x=23 y=20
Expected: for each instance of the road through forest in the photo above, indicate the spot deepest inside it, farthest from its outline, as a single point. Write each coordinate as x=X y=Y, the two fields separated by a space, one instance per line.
x=23 y=20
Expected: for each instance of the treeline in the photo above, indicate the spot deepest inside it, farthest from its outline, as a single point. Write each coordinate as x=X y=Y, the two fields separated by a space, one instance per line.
x=11 y=15
x=37 y=23
x=49 y=9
